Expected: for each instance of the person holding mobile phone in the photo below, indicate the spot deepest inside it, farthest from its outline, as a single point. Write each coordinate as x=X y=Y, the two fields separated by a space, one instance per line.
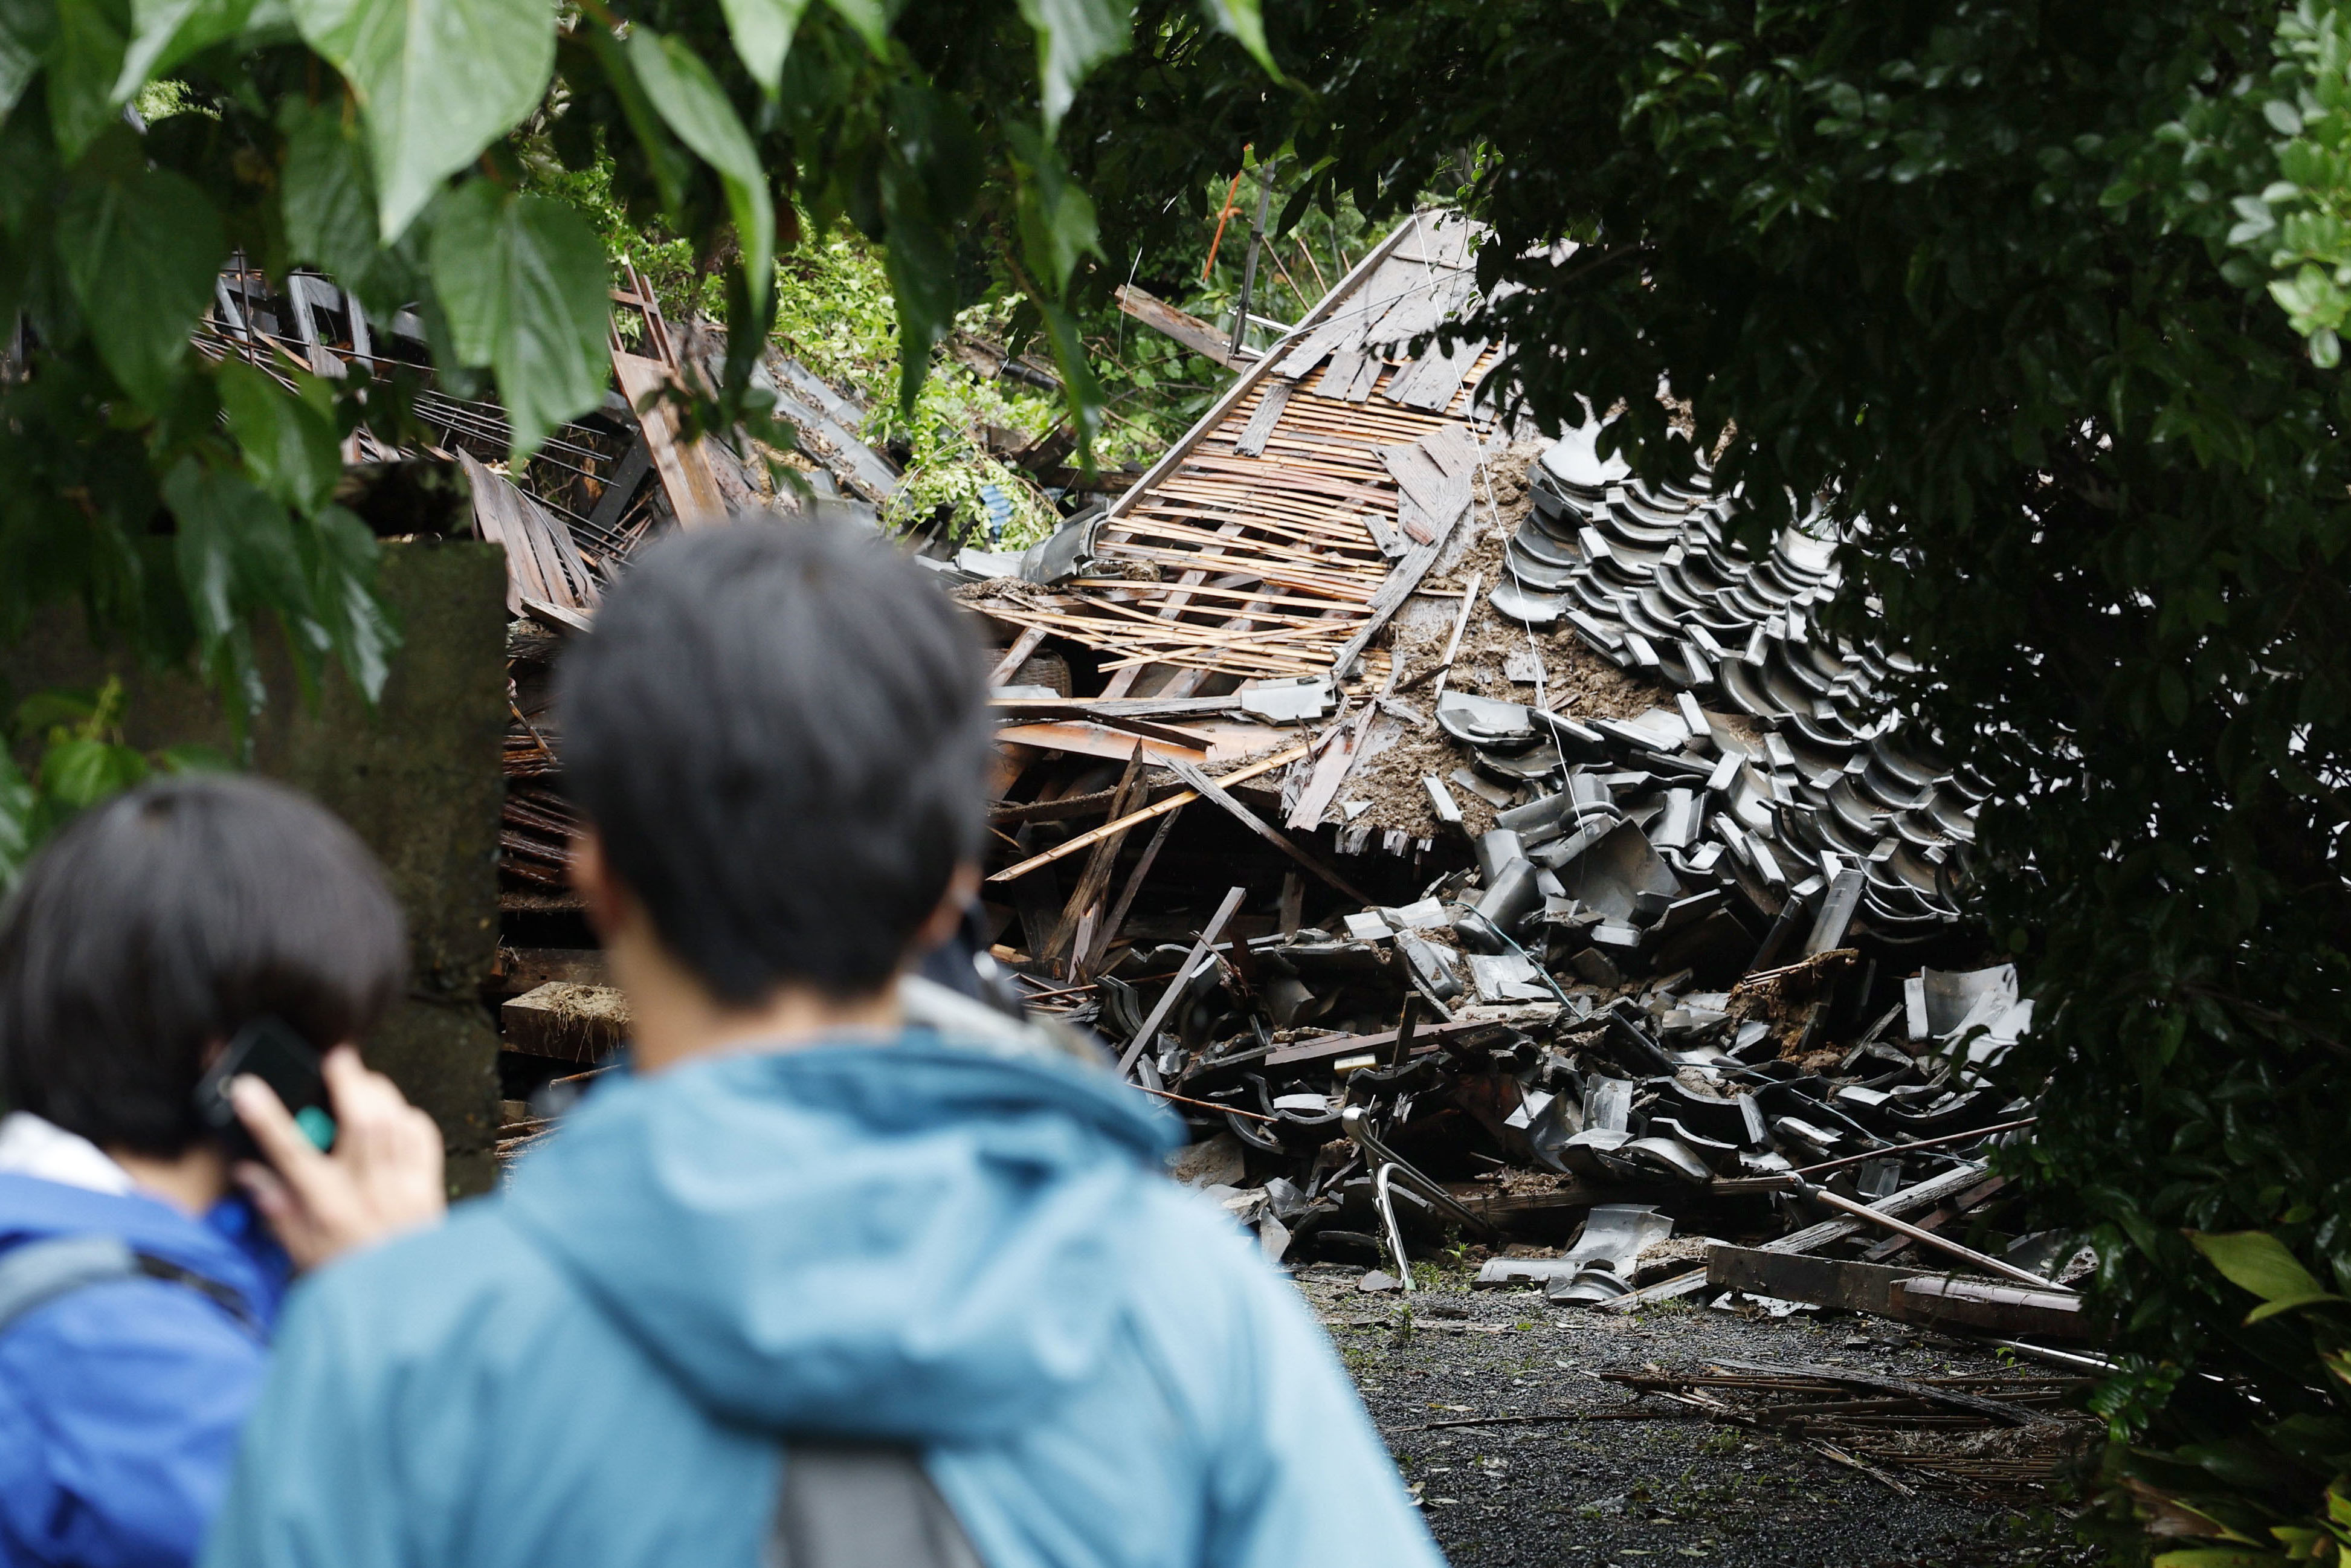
x=182 y=973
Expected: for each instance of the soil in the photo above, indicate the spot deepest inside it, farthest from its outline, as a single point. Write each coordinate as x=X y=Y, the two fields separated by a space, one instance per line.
x=1576 y=681
x=1673 y=1486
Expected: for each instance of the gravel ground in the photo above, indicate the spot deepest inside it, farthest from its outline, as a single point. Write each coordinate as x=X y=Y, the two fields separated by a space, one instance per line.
x=1639 y=1493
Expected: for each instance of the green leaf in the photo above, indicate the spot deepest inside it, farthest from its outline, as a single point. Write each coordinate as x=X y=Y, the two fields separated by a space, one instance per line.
x=84 y=59
x=192 y=759
x=2217 y=1557
x=667 y=161
x=1073 y=36
x=165 y=32
x=694 y=106
x=762 y=31
x=141 y=254
x=326 y=200
x=236 y=551
x=26 y=28
x=1068 y=343
x=523 y=281
x=1244 y=22
x=289 y=442
x=339 y=555
x=1057 y=217
x=437 y=81
x=79 y=773
x=53 y=708
x=920 y=261
x=2256 y=1262
x=870 y=19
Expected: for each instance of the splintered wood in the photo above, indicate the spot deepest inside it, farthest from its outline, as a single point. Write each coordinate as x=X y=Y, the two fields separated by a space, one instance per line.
x=1261 y=544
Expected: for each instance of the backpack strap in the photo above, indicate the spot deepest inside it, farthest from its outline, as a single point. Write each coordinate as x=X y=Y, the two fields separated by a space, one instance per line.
x=38 y=1272
x=863 y=1506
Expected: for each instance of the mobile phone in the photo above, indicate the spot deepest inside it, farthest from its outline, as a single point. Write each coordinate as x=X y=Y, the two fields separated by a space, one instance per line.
x=270 y=1050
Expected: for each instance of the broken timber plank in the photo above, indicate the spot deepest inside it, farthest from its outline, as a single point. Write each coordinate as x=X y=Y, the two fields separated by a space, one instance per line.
x=1186 y=328
x=1247 y=382
x=1796 y=1277
x=1266 y=414
x=1217 y=795
x=1100 y=738
x=1813 y=1237
x=693 y=490
x=1946 y=1301
x=1156 y=808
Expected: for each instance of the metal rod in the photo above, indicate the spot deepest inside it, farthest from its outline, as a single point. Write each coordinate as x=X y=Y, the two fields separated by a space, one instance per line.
x=1211 y=1105
x=1385 y=1203
x=1357 y=1120
x=1928 y=1238
x=1906 y=1148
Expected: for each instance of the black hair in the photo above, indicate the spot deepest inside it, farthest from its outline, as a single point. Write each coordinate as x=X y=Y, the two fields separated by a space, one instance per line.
x=777 y=730
x=158 y=924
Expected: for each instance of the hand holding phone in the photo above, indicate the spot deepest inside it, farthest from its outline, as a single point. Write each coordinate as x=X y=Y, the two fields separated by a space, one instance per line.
x=383 y=1176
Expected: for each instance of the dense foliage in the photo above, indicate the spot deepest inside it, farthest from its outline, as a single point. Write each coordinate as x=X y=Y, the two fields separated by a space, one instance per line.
x=1994 y=281
x=394 y=144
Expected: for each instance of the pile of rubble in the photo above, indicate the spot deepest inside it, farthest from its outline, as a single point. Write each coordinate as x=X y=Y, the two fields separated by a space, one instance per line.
x=1658 y=1000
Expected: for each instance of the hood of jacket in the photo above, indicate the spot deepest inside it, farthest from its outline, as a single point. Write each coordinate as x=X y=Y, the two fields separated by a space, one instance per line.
x=229 y=1247
x=917 y=1241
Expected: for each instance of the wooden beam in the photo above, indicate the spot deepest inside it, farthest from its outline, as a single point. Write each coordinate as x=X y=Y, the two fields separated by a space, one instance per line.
x=1157 y=809
x=1186 y=328
x=686 y=475
x=1218 y=796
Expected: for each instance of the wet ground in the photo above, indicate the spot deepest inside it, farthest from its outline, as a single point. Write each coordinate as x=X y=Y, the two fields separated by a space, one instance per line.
x=1668 y=1486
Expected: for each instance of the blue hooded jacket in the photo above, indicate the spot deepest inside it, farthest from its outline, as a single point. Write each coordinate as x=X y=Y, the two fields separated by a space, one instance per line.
x=918 y=1242
x=121 y=1403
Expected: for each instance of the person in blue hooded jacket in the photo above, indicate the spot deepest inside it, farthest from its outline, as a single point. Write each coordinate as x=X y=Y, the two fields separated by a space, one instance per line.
x=137 y=1286
x=802 y=1226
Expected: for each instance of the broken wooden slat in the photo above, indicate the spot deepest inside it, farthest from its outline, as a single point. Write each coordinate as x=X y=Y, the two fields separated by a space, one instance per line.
x=1186 y=328
x=1095 y=880
x=2010 y=1311
x=1268 y=413
x=1217 y=795
x=1796 y=1277
x=1149 y=1031
x=1175 y=802
x=1106 y=934
x=1095 y=740
x=693 y=490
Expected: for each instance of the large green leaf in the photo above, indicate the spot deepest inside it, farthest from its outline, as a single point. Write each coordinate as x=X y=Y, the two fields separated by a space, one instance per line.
x=165 y=32
x=326 y=200
x=289 y=440
x=762 y=31
x=869 y=18
x=524 y=283
x=140 y=252
x=1057 y=218
x=694 y=106
x=236 y=556
x=84 y=59
x=340 y=555
x=667 y=161
x=437 y=80
x=25 y=27
x=1244 y=20
x=1073 y=36
x=2257 y=1261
